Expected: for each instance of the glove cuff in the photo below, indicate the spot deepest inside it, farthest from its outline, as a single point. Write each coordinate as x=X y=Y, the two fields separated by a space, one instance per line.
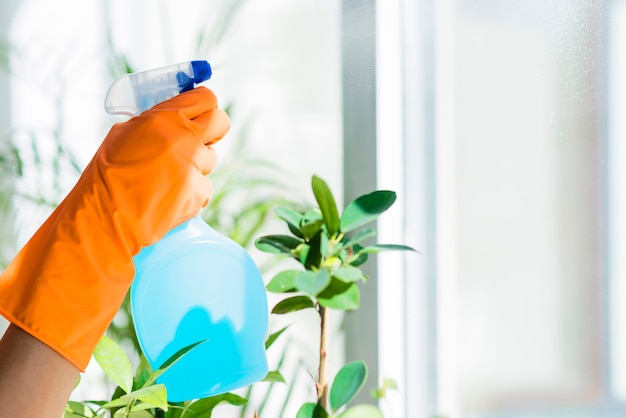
x=66 y=284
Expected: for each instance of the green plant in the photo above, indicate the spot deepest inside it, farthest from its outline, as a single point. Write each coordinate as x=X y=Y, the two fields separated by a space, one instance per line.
x=330 y=248
x=138 y=395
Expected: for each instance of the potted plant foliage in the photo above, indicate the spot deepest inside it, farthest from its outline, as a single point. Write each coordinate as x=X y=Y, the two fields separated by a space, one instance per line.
x=329 y=247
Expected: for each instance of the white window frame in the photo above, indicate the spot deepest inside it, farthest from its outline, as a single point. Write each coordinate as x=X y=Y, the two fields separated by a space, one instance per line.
x=414 y=155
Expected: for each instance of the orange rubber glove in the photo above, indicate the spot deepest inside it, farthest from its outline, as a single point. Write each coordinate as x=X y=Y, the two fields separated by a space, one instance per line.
x=149 y=175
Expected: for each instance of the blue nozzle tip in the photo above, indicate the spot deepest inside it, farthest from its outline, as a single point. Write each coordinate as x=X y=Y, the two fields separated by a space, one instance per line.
x=201 y=71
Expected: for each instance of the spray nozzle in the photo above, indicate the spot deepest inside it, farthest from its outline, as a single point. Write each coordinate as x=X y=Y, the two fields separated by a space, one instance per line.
x=137 y=92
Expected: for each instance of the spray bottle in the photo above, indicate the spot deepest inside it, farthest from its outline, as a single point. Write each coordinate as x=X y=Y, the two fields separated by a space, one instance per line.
x=194 y=285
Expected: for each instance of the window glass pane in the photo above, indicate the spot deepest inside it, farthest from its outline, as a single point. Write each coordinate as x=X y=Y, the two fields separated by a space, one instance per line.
x=617 y=197
x=529 y=180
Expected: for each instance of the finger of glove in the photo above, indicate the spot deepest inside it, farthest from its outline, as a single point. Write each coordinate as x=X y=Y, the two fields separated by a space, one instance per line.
x=200 y=193
x=205 y=159
x=211 y=126
x=190 y=104
x=191 y=153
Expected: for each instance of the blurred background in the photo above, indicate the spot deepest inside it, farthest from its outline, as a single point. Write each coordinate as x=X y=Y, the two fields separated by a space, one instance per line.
x=499 y=123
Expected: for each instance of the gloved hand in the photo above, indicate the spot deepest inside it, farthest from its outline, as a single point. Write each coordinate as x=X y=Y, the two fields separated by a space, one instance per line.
x=149 y=175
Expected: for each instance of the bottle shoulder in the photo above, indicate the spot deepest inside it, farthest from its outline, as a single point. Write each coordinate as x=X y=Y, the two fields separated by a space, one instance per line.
x=192 y=234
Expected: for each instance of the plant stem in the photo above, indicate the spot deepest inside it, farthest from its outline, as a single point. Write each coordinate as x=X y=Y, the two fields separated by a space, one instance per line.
x=322 y=378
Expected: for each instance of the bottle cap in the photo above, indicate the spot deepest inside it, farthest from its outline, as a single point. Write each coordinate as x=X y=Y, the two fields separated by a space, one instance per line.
x=201 y=70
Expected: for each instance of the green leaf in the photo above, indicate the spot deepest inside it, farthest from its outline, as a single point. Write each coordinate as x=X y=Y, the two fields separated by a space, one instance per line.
x=311 y=410
x=171 y=361
x=303 y=253
x=292 y=304
x=357 y=258
x=177 y=410
x=340 y=295
x=335 y=248
x=277 y=244
x=360 y=236
x=347 y=383
x=348 y=274
x=324 y=245
x=141 y=406
x=314 y=255
x=77 y=409
x=378 y=393
x=203 y=408
x=77 y=382
x=312 y=228
x=140 y=414
x=362 y=411
x=376 y=248
x=143 y=372
x=326 y=202
x=70 y=414
x=99 y=403
x=390 y=384
x=274 y=376
x=114 y=362
x=115 y=403
x=155 y=396
x=117 y=393
x=312 y=282
x=121 y=413
x=381 y=392
x=366 y=209
x=285 y=281
x=311 y=223
x=333 y=262
x=270 y=340
x=291 y=217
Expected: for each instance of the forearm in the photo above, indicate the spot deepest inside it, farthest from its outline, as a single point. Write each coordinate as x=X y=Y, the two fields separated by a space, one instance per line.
x=35 y=381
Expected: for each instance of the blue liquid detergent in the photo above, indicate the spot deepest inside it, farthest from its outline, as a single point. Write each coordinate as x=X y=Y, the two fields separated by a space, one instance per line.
x=197 y=285
x=194 y=285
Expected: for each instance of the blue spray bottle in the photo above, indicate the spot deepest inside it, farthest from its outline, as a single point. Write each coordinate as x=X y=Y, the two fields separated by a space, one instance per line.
x=194 y=284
